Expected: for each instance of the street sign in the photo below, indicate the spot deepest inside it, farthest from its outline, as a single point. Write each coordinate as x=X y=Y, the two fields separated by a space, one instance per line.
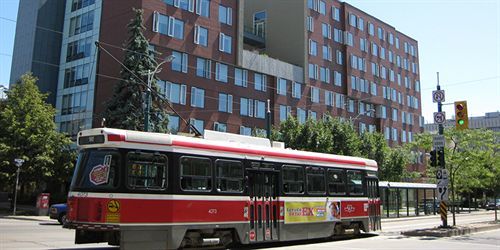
x=443 y=182
x=438 y=141
x=438 y=96
x=442 y=193
x=19 y=162
x=442 y=174
x=439 y=117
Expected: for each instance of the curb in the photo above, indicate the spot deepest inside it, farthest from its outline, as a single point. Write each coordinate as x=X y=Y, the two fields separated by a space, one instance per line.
x=28 y=218
x=449 y=232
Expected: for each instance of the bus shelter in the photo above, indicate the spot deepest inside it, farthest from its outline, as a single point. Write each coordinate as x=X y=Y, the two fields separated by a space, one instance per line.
x=402 y=199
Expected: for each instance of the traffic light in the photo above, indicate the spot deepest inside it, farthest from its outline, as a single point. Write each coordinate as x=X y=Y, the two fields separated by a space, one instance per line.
x=433 y=158
x=461 y=117
x=440 y=158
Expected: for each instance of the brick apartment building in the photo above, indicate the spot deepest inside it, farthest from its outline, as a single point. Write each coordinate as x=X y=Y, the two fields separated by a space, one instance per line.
x=308 y=57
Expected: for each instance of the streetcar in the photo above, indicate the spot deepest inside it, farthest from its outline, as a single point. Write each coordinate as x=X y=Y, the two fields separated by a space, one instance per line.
x=163 y=191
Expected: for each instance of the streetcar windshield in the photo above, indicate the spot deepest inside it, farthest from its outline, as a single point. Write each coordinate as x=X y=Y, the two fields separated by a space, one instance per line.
x=96 y=169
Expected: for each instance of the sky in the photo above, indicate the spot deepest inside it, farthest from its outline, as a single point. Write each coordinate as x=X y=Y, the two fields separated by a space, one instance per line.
x=459 y=39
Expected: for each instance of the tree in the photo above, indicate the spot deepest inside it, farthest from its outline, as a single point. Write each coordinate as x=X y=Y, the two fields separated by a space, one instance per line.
x=335 y=136
x=29 y=132
x=125 y=108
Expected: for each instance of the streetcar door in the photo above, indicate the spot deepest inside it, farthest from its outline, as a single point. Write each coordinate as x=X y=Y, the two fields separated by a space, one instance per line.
x=263 y=206
x=373 y=203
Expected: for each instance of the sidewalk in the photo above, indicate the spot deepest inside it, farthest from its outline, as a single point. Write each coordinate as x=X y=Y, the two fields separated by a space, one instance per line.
x=410 y=218
x=454 y=231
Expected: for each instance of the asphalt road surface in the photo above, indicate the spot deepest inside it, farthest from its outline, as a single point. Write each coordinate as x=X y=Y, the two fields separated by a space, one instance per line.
x=25 y=232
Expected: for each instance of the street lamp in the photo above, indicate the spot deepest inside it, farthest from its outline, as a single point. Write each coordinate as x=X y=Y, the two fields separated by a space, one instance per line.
x=19 y=163
x=148 y=90
x=362 y=113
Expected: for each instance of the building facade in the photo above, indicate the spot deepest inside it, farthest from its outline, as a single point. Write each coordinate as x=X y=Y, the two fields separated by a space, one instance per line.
x=37 y=45
x=315 y=59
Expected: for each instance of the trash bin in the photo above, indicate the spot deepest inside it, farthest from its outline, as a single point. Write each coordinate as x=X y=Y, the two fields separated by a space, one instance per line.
x=42 y=204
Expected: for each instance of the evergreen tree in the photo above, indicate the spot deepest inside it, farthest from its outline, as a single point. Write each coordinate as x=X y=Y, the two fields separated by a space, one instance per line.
x=29 y=132
x=125 y=108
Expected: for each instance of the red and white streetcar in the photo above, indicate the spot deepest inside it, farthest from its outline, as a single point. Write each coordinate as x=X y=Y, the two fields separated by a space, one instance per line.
x=164 y=191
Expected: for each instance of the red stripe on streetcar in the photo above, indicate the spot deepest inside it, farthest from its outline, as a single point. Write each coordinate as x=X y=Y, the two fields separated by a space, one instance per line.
x=265 y=153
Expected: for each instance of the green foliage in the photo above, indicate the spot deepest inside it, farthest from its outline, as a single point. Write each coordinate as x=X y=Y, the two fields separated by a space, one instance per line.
x=472 y=158
x=335 y=136
x=125 y=108
x=29 y=132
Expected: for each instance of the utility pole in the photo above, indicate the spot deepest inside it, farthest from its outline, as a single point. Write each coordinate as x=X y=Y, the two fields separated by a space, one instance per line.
x=268 y=118
x=19 y=163
x=147 y=98
x=442 y=173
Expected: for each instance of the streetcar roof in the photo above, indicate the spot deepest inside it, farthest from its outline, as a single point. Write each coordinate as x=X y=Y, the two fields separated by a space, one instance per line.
x=235 y=147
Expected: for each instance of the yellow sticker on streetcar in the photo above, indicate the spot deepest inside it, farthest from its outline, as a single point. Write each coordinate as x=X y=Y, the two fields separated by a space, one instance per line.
x=113 y=206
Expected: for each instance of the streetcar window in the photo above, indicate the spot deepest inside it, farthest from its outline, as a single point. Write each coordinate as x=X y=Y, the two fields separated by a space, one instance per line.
x=196 y=174
x=316 y=180
x=229 y=176
x=146 y=171
x=355 y=182
x=336 y=181
x=97 y=169
x=293 y=179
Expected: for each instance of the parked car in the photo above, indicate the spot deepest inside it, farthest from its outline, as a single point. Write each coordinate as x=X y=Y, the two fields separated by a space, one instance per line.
x=490 y=205
x=58 y=212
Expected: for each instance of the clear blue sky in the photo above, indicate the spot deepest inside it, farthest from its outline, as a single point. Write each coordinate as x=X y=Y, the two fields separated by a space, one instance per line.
x=459 y=39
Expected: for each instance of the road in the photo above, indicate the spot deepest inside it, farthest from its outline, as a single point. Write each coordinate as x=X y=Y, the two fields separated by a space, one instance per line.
x=41 y=233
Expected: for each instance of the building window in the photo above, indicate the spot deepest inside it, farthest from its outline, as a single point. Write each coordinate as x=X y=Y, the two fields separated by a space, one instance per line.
x=221 y=72
x=337 y=78
x=349 y=39
x=203 y=8
x=76 y=76
x=313 y=47
x=240 y=77
x=246 y=107
x=313 y=71
x=352 y=20
x=173 y=124
x=327 y=53
x=310 y=24
x=225 y=15
x=322 y=7
x=374 y=89
x=180 y=62
x=380 y=33
x=79 y=4
x=339 y=57
x=361 y=24
x=82 y=23
x=314 y=94
x=167 y=25
x=374 y=49
x=203 y=67
x=326 y=30
x=285 y=112
x=245 y=131
x=78 y=49
x=175 y=93
x=324 y=74
x=225 y=43
x=297 y=90
x=282 y=86
x=221 y=127
x=371 y=29
x=395 y=115
x=74 y=103
x=225 y=103
x=394 y=134
x=260 y=109
x=329 y=98
x=336 y=14
x=198 y=124
x=201 y=36
x=339 y=101
x=312 y=115
x=301 y=115
x=338 y=35
x=260 y=82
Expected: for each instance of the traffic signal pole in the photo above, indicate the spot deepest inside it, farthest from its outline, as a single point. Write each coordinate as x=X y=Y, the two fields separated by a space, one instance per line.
x=443 y=206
